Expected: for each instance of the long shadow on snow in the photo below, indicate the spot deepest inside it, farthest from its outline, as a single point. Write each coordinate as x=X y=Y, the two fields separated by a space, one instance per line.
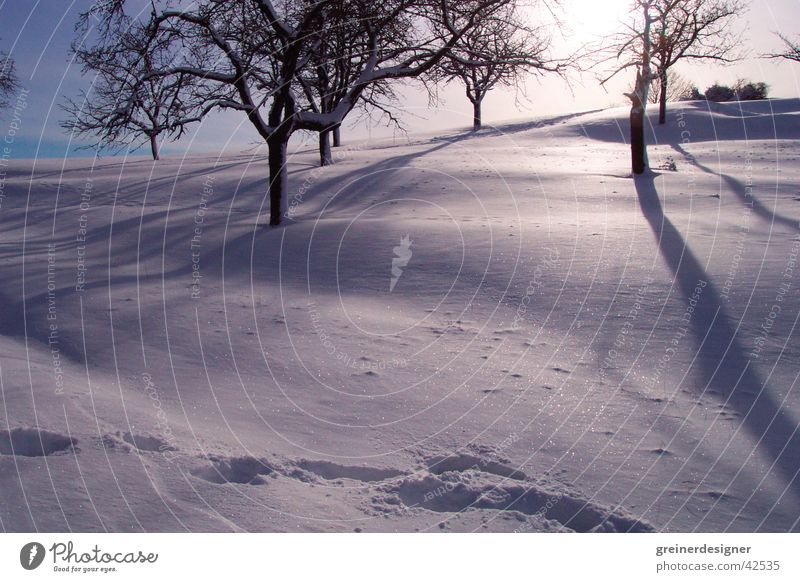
x=133 y=164
x=723 y=364
x=368 y=180
x=26 y=318
x=706 y=123
x=740 y=190
x=533 y=124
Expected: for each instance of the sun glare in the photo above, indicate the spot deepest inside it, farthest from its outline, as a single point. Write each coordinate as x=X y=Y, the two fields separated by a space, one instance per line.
x=594 y=17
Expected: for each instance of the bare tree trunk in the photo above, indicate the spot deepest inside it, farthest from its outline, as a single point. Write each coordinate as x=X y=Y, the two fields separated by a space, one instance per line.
x=278 y=177
x=325 y=155
x=337 y=138
x=637 y=118
x=641 y=92
x=154 y=146
x=662 y=100
x=638 y=154
x=476 y=115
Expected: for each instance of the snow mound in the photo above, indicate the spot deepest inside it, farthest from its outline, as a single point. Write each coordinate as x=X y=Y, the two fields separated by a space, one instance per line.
x=245 y=470
x=460 y=483
x=33 y=442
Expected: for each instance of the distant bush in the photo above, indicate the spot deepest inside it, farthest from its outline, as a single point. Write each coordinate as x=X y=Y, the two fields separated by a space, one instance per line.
x=743 y=90
x=696 y=95
x=720 y=93
x=749 y=91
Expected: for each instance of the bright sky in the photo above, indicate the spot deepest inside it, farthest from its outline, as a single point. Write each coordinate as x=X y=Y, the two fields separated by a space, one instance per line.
x=38 y=34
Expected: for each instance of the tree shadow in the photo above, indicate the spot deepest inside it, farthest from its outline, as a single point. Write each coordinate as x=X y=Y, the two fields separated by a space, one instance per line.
x=723 y=366
x=367 y=180
x=740 y=189
x=521 y=126
x=709 y=122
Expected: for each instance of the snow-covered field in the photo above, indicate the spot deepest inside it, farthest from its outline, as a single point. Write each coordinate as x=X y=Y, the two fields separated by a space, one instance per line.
x=492 y=332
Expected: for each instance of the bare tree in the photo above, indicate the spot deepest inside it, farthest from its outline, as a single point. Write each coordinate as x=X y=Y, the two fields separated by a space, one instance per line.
x=8 y=78
x=335 y=64
x=128 y=104
x=659 y=34
x=679 y=88
x=791 y=50
x=686 y=30
x=678 y=30
x=247 y=55
x=499 y=51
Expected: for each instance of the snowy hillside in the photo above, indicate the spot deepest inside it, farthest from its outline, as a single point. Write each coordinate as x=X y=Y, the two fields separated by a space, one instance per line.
x=497 y=332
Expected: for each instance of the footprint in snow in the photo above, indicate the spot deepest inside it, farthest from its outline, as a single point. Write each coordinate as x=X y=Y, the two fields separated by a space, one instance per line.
x=148 y=444
x=244 y=470
x=333 y=471
x=34 y=442
x=467 y=483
